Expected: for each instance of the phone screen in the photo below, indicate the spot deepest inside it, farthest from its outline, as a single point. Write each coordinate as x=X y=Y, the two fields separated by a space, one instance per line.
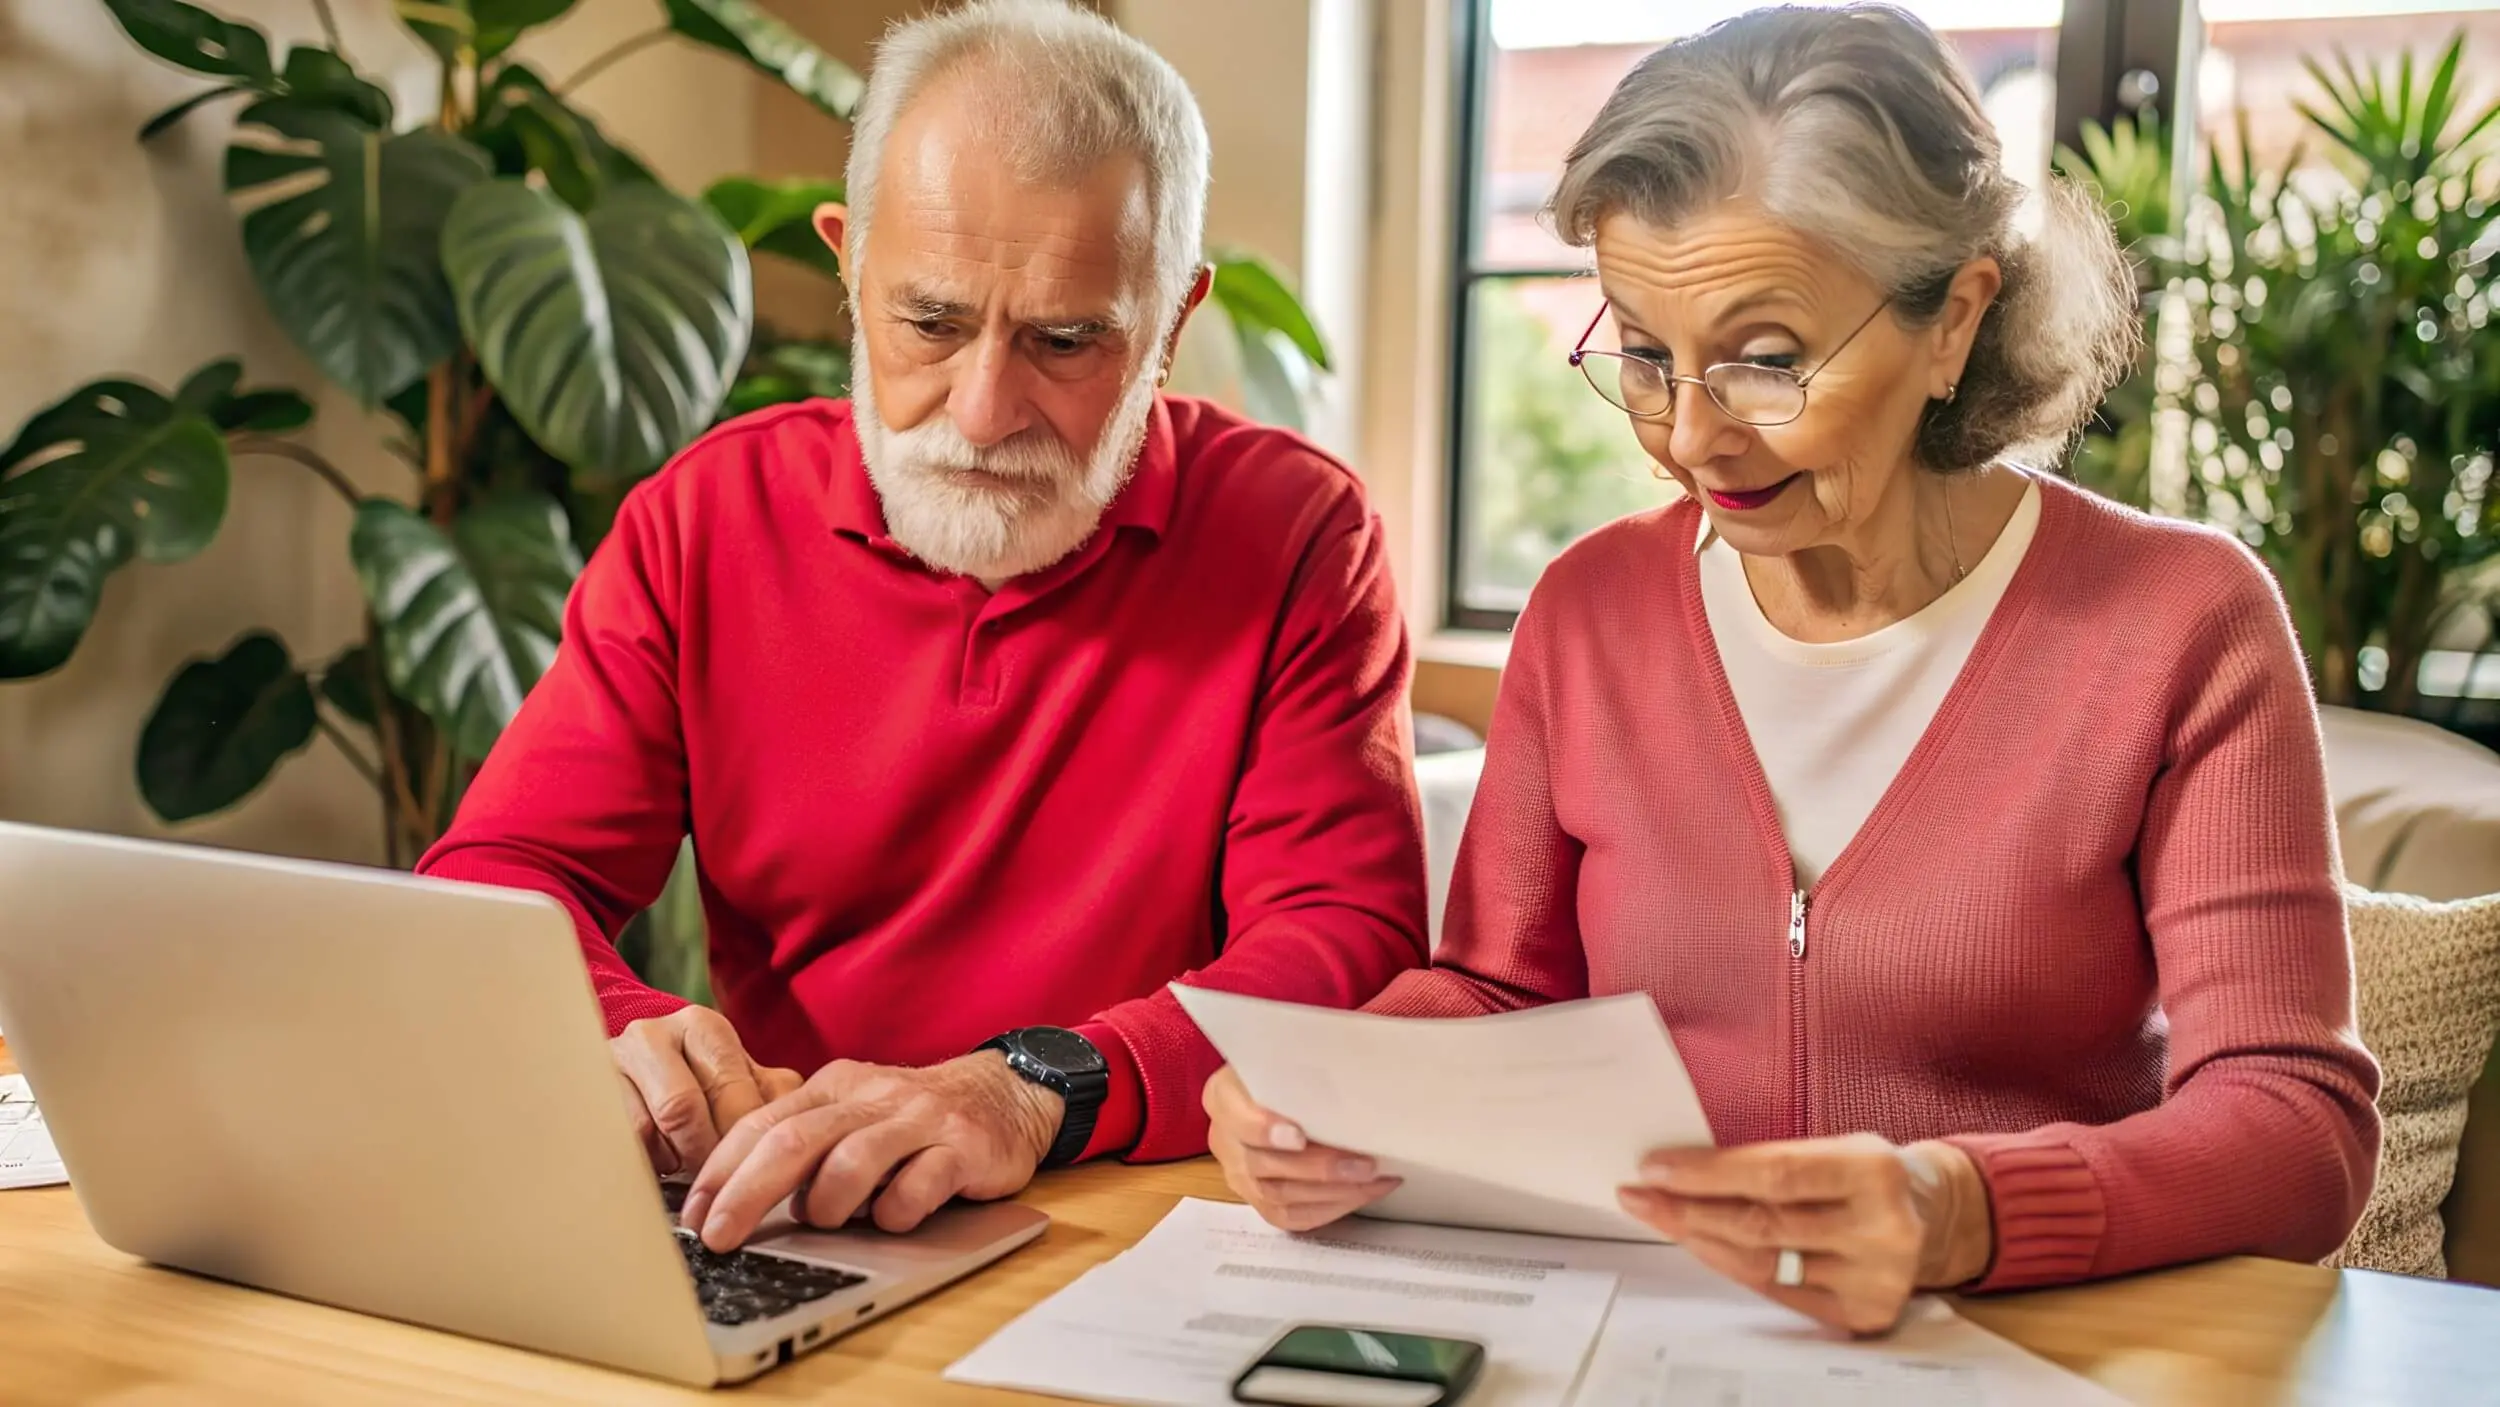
x=1318 y=1365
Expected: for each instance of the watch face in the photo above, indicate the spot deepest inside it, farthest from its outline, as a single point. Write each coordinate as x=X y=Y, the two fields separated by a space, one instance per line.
x=1061 y=1050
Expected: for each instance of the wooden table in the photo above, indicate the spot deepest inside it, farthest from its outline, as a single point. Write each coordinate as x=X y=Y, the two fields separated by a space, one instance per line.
x=82 y=1323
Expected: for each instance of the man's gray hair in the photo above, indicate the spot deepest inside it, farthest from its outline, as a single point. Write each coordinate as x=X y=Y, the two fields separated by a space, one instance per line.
x=1064 y=90
x=1857 y=127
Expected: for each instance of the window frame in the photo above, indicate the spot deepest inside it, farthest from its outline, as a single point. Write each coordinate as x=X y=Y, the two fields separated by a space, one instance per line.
x=2099 y=42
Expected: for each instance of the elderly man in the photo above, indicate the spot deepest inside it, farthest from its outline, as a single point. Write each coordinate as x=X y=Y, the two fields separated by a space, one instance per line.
x=994 y=700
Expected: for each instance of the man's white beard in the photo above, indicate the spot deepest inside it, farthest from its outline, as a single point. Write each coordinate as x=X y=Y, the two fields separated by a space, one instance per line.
x=1028 y=502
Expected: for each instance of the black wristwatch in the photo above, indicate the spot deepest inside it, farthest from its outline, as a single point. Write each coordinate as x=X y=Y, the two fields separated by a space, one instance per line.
x=1059 y=1059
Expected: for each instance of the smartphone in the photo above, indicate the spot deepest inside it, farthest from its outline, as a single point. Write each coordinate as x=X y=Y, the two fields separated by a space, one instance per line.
x=1331 y=1365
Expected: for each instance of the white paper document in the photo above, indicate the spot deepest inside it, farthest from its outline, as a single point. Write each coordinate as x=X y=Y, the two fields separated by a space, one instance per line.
x=1173 y=1321
x=1526 y=1121
x=1665 y=1349
x=27 y=1158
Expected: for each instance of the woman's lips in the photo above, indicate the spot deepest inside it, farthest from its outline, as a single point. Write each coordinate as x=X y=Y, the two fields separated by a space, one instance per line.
x=1747 y=499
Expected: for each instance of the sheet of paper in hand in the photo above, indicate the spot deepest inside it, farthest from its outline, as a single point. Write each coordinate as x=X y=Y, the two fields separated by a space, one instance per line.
x=1526 y=1121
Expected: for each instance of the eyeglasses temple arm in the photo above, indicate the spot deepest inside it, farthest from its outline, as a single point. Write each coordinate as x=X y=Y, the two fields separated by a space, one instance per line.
x=1583 y=344
x=1808 y=379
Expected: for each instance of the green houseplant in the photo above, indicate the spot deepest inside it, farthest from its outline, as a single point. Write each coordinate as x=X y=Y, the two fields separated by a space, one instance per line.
x=544 y=319
x=2333 y=371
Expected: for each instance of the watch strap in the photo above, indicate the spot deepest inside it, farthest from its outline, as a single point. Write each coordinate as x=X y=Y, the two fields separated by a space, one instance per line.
x=1081 y=1094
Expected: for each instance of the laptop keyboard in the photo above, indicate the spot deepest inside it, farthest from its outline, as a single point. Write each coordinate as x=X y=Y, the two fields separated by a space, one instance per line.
x=738 y=1287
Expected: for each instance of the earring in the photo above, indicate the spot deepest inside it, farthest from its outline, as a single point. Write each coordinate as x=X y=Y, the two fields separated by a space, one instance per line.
x=1952 y=389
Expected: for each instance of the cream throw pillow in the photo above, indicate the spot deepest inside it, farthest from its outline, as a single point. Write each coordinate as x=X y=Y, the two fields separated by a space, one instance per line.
x=2428 y=979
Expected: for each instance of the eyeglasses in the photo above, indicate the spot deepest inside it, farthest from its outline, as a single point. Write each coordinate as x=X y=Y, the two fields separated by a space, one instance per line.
x=1748 y=393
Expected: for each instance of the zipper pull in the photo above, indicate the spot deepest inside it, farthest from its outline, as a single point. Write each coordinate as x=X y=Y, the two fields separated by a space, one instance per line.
x=1797 y=925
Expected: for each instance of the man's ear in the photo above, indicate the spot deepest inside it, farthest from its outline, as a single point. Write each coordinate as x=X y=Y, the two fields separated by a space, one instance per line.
x=832 y=220
x=1189 y=304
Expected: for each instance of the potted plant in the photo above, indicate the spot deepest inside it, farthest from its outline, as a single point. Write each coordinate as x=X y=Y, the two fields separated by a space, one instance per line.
x=545 y=320
x=2331 y=372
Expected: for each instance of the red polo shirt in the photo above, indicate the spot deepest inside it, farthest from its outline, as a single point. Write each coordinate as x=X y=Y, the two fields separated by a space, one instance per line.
x=926 y=814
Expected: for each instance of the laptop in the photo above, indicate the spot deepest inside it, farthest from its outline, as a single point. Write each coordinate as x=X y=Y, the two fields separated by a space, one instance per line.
x=394 y=1095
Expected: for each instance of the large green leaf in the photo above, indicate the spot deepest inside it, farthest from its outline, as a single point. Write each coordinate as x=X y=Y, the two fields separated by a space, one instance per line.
x=469 y=619
x=1270 y=390
x=114 y=470
x=524 y=126
x=742 y=28
x=778 y=217
x=1255 y=299
x=193 y=38
x=213 y=391
x=611 y=335
x=488 y=26
x=221 y=727
x=320 y=78
x=343 y=233
x=794 y=370
x=347 y=682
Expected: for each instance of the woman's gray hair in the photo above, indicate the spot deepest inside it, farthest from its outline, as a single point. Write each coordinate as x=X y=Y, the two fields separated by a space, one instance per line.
x=1858 y=128
x=1065 y=91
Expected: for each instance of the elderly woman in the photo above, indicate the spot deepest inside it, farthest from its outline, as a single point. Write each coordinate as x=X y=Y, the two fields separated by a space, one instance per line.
x=1970 y=832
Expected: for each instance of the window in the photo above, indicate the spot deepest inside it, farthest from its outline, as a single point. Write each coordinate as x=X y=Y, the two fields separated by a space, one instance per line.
x=1537 y=459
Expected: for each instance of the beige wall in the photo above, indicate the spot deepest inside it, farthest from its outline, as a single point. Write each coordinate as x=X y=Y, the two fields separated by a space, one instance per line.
x=117 y=258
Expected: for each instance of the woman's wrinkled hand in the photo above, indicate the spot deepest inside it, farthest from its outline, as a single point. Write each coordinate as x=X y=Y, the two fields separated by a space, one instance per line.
x=1295 y=1184
x=1872 y=1223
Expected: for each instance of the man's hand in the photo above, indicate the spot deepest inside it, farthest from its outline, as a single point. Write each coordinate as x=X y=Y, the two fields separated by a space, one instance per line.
x=687 y=1081
x=971 y=1127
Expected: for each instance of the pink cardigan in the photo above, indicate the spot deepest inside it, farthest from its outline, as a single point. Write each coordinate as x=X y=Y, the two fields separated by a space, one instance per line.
x=2092 y=934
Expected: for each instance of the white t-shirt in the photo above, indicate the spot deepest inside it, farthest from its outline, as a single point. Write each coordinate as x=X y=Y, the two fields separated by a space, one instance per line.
x=1832 y=724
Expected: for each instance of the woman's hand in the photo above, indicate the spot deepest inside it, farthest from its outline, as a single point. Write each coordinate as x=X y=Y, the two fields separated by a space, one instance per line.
x=1871 y=1222
x=1267 y=1162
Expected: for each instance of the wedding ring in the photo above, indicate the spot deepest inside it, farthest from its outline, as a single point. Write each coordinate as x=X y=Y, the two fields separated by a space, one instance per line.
x=1791 y=1270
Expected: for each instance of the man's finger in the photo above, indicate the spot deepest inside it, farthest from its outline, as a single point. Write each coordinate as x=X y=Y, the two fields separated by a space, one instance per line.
x=721 y=1067
x=732 y=1153
x=678 y=1109
x=663 y=1160
x=927 y=1182
x=750 y=1177
x=853 y=1168
x=1810 y=1171
x=778 y=1083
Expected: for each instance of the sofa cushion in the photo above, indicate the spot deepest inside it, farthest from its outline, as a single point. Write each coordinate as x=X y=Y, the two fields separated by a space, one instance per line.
x=2417 y=808
x=2428 y=979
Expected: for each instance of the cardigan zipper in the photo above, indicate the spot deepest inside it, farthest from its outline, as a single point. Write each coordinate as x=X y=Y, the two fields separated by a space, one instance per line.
x=1797 y=1012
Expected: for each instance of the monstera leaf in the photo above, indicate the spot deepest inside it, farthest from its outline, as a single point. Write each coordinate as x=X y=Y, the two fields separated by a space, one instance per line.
x=190 y=37
x=344 y=230
x=347 y=684
x=488 y=26
x=204 y=43
x=468 y=619
x=778 y=217
x=741 y=28
x=526 y=127
x=221 y=727
x=114 y=470
x=612 y=335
